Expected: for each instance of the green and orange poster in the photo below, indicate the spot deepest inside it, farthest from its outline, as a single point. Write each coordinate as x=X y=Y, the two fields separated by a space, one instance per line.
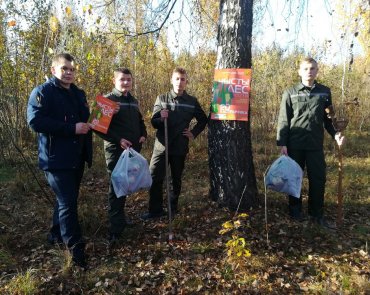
x=231 y=88
x=102 y=111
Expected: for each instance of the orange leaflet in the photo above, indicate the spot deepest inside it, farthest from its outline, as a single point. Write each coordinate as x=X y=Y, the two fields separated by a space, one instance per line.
x=101 y=113
x=12 y=23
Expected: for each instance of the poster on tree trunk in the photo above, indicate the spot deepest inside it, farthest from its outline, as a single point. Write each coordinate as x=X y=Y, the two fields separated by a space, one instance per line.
x=101 y=113
x=231 y=88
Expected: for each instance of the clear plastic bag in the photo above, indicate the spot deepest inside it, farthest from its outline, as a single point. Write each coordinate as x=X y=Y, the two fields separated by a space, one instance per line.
x=131 y=173
x=285 y=176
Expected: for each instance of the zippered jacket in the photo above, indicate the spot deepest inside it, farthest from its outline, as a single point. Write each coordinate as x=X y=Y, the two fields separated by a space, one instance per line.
x=302 y=117
x=182 y=109
x=128 y=123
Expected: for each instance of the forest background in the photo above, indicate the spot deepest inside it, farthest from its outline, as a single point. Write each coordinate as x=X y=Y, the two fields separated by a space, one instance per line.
x=151 y=38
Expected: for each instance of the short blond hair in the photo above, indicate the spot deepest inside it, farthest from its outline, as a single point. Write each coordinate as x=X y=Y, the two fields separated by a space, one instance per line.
x=307 y=59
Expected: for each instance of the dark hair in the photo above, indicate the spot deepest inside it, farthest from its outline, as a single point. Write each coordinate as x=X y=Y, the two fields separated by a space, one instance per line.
x=180 y=70
x=123 y=71
x=60 y=56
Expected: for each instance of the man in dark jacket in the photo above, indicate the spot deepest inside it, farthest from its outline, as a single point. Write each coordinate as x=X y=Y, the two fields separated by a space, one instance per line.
x=300 y=134
x=58 y=111
x=127 y=129
x=179 y=108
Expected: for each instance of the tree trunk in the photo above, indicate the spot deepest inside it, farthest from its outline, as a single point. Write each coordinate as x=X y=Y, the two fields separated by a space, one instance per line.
x=232 y=176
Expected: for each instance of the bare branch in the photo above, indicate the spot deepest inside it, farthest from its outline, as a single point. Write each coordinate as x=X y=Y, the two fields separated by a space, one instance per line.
x=156 y=30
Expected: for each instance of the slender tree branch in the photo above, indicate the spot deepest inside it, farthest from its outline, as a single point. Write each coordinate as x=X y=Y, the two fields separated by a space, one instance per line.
x=156 y=30
x=105 y=4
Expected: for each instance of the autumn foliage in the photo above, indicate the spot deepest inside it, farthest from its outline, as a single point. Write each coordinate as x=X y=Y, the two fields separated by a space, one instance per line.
x=203 y=260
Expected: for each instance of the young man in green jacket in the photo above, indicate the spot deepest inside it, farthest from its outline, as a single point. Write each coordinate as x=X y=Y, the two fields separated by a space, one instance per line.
x=127 y=129
x=300 y=134
x=178 y=108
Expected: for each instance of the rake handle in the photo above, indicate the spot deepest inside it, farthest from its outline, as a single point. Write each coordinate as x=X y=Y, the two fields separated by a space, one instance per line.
x=340 y=192
x=170 y=234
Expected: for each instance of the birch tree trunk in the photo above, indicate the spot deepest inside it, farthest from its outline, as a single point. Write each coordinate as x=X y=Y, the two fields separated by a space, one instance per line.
x=232 y=176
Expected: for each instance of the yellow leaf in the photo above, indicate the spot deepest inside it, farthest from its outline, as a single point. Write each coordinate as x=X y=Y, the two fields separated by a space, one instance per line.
x=51 y=51
x=237 y=223
x=151 y=44
x=87 y=8
x=241 y=242
x=68 y=11
x=222 y=231
x=229 y=243
x=227 y=224
x=12 y=23
x=53 y=23
x=243 y=215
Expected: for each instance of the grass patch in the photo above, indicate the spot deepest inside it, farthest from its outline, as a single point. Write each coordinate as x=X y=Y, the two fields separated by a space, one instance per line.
x=227 y=272
x=202 y=248
x=23 y=283
x=362 y=230
x=6 y=258
x=6 y=173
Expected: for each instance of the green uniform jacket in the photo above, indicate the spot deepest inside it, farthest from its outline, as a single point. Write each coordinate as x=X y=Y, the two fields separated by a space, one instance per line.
x=128 y=123
x=182 y=109
x=302 y=117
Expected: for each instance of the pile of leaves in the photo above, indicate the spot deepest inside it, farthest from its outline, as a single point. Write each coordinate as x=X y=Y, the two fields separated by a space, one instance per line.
x=282 y=257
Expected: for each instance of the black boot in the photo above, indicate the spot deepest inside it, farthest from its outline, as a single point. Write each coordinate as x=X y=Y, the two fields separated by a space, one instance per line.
x=295 y=208
x=78 y=255
x=54 y=237
x=174 y=200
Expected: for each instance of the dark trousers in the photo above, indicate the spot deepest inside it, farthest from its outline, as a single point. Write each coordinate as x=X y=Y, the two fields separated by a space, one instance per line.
x=116 y=210
x=158 y=172
x=116 y=206
x=66 y=184
x=314 y=160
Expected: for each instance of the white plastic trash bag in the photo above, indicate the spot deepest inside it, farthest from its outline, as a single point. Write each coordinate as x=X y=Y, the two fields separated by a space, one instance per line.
x=131 y=173
x=285 y=176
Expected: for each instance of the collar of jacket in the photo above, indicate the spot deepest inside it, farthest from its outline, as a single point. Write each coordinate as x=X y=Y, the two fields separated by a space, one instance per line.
x=118 y=93
x=173 y=95
x=301 y=86
x=56 y=82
